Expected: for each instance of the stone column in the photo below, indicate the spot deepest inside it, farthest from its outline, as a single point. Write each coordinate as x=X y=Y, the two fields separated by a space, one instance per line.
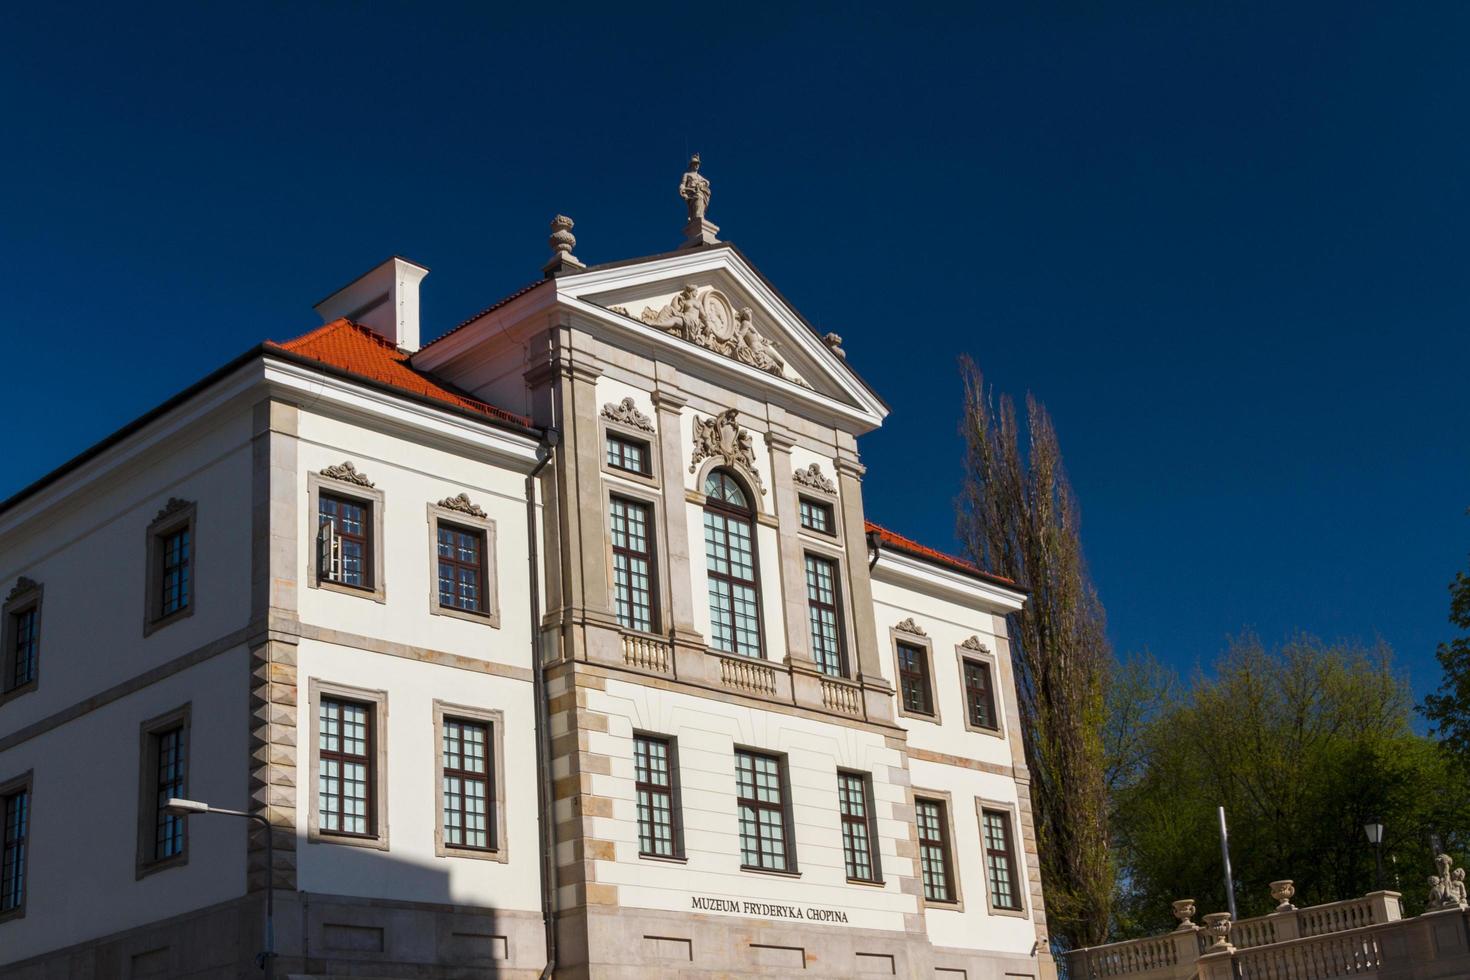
x=667 y=403
x=877 y=692
x=793 y=572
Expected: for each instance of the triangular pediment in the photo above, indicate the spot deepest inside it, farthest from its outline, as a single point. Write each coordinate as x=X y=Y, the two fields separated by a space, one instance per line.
x=713 y=300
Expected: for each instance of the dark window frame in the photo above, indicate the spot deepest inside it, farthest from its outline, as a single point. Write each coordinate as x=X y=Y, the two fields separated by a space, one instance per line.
x=868 y=821
x=944 y=842
x=757 y=806
x=982 y=695
x=815 y=606
x=922 y=672
x=24 y=602
x=804 y=503
x=177 y=517
x=670 y=792
x=12 y=893
x=446 y=713
x=482 y=575
x=488 y=778
x=622 y=441
x=1007 y=854
x=369 y=546
x=368 y=759
x=728 y=512
x=150 y=816
x=651 y=556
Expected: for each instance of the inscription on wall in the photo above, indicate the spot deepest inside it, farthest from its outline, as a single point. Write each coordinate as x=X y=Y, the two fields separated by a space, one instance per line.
x=769 y=910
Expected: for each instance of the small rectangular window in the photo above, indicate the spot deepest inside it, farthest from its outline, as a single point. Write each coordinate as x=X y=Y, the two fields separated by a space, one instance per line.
x=168 y=829
x=1000 y=860
x=469 y=811
x=935 y=863
x=174 y=585
x=913 y=679
x=817 y=516
x=345 y=780
x=345 y=539
x=859 y=829
x=461 y=568
x=15 y=811
x=633 y=577
x=822 y=612
x=980 y=694
x=765 y=841
x=22 y=636
x=655 y=778
x=628 y=454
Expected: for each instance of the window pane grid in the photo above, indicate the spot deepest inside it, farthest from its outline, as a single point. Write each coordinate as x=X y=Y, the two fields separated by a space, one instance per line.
x=461 y=568
x=762 y=814
x=816 y=516
x=468 y=817
x=657 y=816
x=729 y=549
x=857 y=826
x=979 y=694
x=934 y=863
x=344 y=784
x=632 y=565
x=13 y=860
x=1000 y=861
x=23 y=656
x=350 y=520
x=913 y=678
x=627 y=454
x=821 y=597
x=168 y=831
x=174 y=574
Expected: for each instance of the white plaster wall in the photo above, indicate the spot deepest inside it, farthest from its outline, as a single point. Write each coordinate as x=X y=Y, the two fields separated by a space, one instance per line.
x=412 y=476
x=708 y=730
x=85 y=812
x=91 y=559
x=409 y=869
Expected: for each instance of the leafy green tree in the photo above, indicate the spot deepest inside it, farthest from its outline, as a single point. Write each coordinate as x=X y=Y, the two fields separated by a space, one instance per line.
x=1449 y=709
x=1302 y=744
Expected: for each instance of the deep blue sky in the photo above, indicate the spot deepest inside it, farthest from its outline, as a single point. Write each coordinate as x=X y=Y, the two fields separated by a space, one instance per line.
x=1225 y=243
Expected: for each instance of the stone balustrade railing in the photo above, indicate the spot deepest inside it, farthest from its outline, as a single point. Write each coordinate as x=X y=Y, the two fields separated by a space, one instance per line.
x=747 y=675
x=646 y=653
x=1357 y=952
x=842 y=696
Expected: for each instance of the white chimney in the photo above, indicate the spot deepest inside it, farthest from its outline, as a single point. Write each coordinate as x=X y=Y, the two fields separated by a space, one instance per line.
x=384 y=299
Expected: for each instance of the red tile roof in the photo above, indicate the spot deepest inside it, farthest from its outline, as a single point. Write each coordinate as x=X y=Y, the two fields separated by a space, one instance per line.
x=355 y=349
x=896 y=541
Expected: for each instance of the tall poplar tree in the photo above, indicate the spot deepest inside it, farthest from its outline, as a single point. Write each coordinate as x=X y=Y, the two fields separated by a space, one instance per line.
x=1448 y=710
x=1019 y=518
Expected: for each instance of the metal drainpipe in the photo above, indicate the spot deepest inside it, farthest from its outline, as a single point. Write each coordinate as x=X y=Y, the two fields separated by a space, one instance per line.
x=543 y=728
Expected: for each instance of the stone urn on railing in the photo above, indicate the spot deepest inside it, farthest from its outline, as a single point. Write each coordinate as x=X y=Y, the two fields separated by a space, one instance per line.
x=1184 y=911
x=1217 y=927
x=1283 y=891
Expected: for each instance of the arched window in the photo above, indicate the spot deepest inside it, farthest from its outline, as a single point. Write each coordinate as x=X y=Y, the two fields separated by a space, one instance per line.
x=729 y=555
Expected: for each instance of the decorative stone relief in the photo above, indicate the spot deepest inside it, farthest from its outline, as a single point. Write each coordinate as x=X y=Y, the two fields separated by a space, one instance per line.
x=22 y=586
x=812 y=478
x=347 y=473
x=1447 y=889
x=627 y=413
x=909 y=626
x=1282 y=892
x=722 y=437
x=834 y=344
x=973 y=643
x=703 y=315
x=562 y=241
x=173 y=506
x=461 y=502
x=1184 y=912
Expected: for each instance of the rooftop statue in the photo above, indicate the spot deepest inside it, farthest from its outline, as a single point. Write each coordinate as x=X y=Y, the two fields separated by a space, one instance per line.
x=694 y=189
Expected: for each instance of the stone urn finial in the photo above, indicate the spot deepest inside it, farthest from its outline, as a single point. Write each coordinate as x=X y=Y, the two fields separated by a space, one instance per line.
x=1184 y=910
x=1283 y=891
x=562 y=241
x=1217 y=926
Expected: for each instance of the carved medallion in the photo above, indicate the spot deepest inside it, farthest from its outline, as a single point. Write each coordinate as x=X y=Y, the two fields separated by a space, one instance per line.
x=703 y=315
x=812 y=478
x=909 y=626
x=461 y=503
x=22 y=586
x=973 y=643
x=173 y=506
x=347 y=473
x=722 y=437
x=627 y=413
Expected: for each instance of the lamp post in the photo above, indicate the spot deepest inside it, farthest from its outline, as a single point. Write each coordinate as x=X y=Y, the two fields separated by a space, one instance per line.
x=1374 y=829
x=183 y=808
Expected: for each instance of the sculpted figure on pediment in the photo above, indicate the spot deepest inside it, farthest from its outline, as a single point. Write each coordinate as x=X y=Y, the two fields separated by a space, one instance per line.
x=681 y=316
x=704 y=316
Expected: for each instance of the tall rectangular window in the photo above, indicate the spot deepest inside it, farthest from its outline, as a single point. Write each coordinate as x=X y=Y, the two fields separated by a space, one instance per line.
x=344 y=526
x=1000 y=860
x=345 y=772
x=817 y=516
x=22 y=638
x=461 y=568
x=654 y=774
x=934 y=857
x=633 y=579
x=628 y=454
x=821 y=601
x=168 y=828
x=730 y=566
x=467 y=781
x=980 y=694
x=174 y=572
x=761 y=790
x=913 y=679
x=855 y=804
x=16 y=815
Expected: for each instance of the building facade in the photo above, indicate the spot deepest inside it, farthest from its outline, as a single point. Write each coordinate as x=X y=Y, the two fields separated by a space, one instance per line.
x=561 y=645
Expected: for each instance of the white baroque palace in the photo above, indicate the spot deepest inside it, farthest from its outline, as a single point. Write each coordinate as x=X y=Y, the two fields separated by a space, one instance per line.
x=559 y=646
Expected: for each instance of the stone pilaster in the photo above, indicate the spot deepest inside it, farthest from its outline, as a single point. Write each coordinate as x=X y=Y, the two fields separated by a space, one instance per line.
x=878 y=699
x=793 y=574
x=668 y=403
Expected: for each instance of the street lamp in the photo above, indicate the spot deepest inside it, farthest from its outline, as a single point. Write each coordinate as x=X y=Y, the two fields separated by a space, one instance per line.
x=183 y=808
x=1374 y=829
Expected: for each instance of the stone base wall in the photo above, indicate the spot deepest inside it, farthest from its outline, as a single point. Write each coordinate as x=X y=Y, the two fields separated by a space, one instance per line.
x=316 y=936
